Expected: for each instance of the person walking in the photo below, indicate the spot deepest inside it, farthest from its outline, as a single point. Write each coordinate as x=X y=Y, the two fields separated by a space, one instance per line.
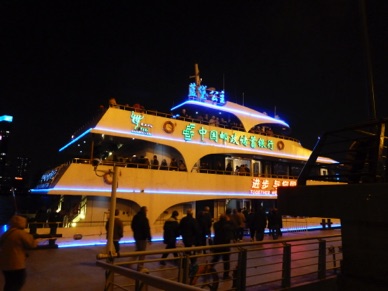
x=238 y=220
x=118 y=231
x=13 y=246
x=251 y=224
x=188 y=228
x=260 y=223
x=170 y=233
x=223 y=234
x=205 y=223
x=141 y=233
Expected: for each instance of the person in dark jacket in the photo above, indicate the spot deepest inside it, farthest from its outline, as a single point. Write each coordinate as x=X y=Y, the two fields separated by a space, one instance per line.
x=275 y=223
x=188 y=228
x=118 y=231
x=260 y=223
x=205 y=223
x=223 y=234
x=141 y=232
x=170 y=233
x=251 y=225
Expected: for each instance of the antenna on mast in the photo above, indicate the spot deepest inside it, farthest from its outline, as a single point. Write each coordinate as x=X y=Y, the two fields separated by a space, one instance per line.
x=198 y=80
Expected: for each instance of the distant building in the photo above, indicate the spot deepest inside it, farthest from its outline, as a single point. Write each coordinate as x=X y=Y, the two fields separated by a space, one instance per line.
x=5 y=170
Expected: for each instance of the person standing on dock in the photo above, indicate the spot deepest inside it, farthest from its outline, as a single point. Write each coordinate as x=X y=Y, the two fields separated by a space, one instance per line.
x=118 y=231
x=13 y=246
x=141 y=232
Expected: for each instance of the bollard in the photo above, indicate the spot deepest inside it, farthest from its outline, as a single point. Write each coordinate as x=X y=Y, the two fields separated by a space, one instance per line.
x=323 y=223
x=329 y=223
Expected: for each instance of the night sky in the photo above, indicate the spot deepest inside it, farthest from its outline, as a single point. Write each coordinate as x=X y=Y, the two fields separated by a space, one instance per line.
x=306 y=60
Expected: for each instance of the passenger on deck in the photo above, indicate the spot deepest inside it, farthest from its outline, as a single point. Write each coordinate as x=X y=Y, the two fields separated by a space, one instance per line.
x=173 y=165
x=163 y=165
x=182 y=166
x=229 y=168
x=144 y=162
x=155 y=163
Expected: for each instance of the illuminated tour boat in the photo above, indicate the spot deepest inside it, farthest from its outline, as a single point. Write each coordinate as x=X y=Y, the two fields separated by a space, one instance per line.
x=209 y=152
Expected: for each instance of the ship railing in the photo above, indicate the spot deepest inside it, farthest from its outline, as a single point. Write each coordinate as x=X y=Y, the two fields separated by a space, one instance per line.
x=195 y=120
x=265 y=265
x=200 y=170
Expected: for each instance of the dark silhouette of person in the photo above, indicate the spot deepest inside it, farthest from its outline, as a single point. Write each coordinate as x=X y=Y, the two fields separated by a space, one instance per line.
x=205 y=223
x=13 y=245
x=155 y=163
x=188 y=228
x=275 y=223
x=251 y=225
x=170 y=234
x=223 y=234
x=260 y=223
x=163 y=165
x=141 y=232
x=118 y=231
x=173 y=165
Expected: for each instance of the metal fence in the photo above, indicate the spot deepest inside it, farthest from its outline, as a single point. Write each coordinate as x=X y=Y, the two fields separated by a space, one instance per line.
x=266 y=265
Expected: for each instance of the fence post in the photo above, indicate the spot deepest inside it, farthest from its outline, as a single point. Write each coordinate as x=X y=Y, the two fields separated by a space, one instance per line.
x=322 y=260
x=239 y=274
x=286 y=270
x=109 y=276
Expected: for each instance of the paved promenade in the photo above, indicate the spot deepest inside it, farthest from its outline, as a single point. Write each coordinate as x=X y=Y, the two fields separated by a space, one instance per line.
x=74 y=268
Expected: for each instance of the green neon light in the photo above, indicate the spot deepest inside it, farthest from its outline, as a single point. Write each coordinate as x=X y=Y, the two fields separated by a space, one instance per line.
x=214 y=135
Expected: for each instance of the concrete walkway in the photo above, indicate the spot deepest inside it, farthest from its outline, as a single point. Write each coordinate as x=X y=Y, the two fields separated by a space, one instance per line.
x=74 y=268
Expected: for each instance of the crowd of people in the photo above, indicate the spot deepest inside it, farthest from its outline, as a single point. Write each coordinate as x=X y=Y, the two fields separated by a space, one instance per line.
x=143 y=162
x=194 y=232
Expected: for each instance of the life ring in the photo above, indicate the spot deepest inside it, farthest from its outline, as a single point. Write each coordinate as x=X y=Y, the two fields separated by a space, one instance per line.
x=280 y=145
x=108 y=178
x=168 y=127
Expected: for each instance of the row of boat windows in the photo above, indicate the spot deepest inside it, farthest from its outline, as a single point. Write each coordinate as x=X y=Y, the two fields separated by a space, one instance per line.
x=229 y=166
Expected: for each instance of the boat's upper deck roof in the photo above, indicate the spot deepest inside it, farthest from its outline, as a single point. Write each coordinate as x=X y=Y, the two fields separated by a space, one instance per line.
x=247 y=116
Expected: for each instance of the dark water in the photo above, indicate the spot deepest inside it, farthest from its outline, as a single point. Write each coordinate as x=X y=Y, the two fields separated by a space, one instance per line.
x=7 y=208
x=24 y=204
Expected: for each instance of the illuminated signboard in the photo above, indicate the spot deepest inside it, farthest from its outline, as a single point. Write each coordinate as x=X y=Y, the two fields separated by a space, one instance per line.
x=199 y=92
x=140 y=127
x=223 y=137
x=266 y=186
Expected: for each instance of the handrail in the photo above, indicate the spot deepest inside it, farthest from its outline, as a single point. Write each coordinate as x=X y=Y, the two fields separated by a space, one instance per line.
x=264 y=265
x=158 y=282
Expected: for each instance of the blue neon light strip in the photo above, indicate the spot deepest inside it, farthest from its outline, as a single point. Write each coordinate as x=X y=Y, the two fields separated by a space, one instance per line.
x=7 y=118
x=236 y=111
x=76 y=139
x=137 y=191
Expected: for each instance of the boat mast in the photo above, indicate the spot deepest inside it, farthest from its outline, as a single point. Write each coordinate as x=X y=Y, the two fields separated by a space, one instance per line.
x=196 y=75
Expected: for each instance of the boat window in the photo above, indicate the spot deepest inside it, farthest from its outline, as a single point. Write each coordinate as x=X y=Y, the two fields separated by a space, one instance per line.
x=280 y=169
x=256 y=168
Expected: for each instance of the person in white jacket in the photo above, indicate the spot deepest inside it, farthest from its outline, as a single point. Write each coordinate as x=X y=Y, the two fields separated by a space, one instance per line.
x=14 y=244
